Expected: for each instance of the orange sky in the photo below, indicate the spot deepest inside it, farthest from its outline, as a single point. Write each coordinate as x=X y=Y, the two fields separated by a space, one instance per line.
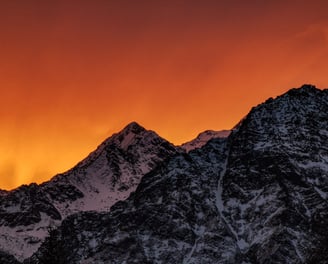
x=74 y=72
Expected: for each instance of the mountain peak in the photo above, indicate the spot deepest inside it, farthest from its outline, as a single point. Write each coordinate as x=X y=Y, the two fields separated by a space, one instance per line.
x=203 y=138
x=129 y=134
x=304 y=90
x=308 y=87
x=134 y=127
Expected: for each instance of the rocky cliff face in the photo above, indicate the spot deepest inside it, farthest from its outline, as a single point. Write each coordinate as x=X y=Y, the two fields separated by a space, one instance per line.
x=274 y=190
x=6 y=258
x=259 y=196
x=106 y=176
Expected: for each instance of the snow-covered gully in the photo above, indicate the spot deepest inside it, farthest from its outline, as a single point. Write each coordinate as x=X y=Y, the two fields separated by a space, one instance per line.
x=240 y=242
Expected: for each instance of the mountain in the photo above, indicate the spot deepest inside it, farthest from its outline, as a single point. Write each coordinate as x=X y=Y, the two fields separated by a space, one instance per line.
x=172 y=211
x=258 y=196
x=3 y=192
x=6 y=258
x=274 y=188
x=107 y=175
x=203 y=138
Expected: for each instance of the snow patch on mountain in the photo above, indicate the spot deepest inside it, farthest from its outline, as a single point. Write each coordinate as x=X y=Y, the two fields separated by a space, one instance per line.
x=203 y=138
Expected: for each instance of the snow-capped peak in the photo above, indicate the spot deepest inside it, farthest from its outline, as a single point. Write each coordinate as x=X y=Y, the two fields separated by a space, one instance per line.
x=203 y=138
x=128 y=135
x=133 y=127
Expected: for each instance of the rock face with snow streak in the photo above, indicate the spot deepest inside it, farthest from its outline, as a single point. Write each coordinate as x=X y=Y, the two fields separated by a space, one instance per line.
x=276 y=182
x=106 y=176
x=259 y=196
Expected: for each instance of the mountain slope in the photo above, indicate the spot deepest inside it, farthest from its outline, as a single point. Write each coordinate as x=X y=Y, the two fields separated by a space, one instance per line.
x=114 y=170
x=171 y=214
x=259 y=196
x=7 y=259
x=203 y=138
x=275 y=187
x=106 y=176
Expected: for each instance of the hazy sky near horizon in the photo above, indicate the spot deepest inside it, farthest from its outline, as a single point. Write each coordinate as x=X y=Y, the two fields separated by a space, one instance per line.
x=74 y=72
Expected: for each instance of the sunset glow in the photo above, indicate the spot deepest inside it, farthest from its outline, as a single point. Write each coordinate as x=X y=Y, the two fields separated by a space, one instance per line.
x=74 y=72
